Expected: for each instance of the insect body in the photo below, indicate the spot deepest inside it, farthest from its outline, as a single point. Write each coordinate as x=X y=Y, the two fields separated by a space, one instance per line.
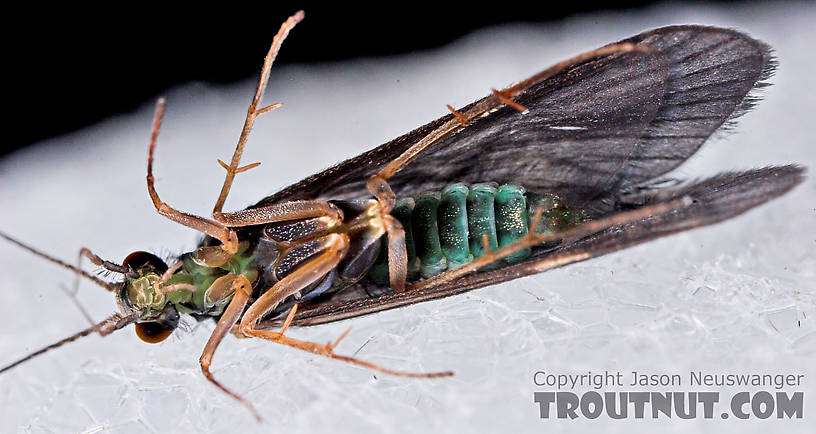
x=552 y=170
x=449 y=228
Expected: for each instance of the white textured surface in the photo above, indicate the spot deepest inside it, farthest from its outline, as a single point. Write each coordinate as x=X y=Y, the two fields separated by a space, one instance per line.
x=736 y=297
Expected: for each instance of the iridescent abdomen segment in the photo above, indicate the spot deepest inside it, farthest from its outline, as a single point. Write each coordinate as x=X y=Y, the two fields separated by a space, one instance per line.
x=448 y=228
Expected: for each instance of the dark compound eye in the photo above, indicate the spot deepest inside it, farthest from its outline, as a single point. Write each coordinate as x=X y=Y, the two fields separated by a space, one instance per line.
x=138 y=260
x=156 y=331
x=152 y=332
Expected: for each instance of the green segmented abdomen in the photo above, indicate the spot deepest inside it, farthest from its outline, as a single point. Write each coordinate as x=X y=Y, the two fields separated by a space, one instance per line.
x=446 y=229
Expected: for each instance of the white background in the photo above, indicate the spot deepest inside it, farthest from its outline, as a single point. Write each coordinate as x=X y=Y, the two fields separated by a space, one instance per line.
x=734 y=298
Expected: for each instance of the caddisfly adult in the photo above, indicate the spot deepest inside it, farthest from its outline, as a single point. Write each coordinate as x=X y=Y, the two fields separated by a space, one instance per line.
x=554 y=169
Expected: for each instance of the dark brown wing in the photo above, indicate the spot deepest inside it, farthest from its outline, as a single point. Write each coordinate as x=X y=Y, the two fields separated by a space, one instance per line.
x=592 y=130
x=595 y=131
x=711 y=73
x=605 y=103
x=715 y=199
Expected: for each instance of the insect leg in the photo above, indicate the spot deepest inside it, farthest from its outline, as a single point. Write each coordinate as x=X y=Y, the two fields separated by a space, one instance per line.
x=533 y=239
x=397 y=253
x=242 y=289
x=292 y=283
x=218 y=255
x=253 y=111
x=108 y=265
x=332 y=251
x=210 y=256
x=236 y=328
x=288 y=321
x=281 y=212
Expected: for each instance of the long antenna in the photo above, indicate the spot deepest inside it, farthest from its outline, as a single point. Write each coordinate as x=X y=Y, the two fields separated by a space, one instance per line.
x=107 y=285
x=104 y=328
